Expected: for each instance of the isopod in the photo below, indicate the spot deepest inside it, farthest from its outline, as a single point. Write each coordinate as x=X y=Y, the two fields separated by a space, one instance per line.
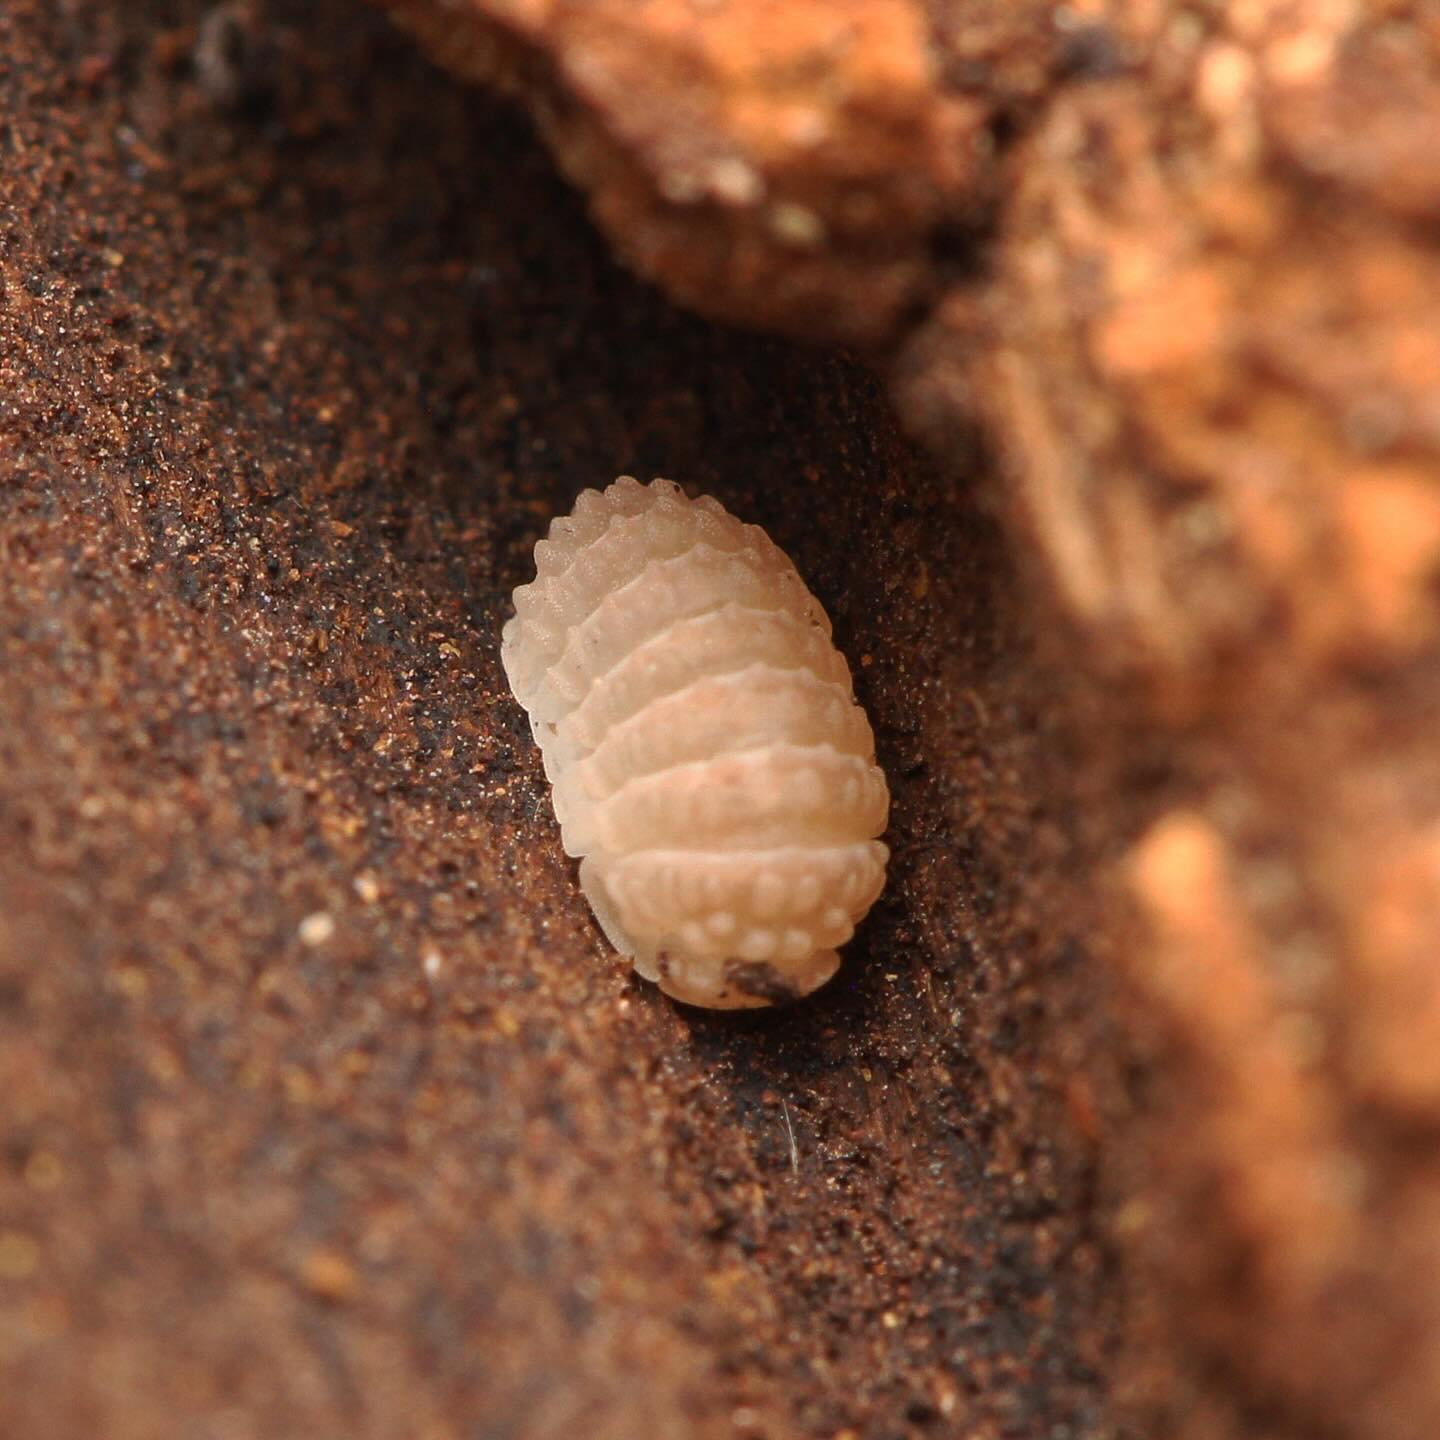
x=706 y=755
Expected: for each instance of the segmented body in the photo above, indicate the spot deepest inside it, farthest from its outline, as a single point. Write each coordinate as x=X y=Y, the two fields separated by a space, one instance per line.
x=707 y=756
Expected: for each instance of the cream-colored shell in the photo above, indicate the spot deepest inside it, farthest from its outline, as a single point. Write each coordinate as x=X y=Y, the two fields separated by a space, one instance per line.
x=700 y=732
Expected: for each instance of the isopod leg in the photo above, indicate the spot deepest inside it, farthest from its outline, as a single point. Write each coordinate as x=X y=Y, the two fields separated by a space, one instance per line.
x=592 y=885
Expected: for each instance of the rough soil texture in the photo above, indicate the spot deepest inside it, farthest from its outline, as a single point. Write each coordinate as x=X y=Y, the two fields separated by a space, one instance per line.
x=326 y=1111
x=1178 y=263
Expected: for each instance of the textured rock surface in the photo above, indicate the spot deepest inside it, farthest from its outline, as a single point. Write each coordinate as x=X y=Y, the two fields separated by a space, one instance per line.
x=1211 y=354
x=324 y=1113
x=1179 y=265
x=782 y=165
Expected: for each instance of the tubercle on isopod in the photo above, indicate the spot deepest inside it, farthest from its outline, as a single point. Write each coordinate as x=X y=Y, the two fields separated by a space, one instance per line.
x=709 y=764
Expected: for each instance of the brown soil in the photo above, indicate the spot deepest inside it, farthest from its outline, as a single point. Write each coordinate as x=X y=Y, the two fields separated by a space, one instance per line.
x=326 y=1111
x=1178 y=264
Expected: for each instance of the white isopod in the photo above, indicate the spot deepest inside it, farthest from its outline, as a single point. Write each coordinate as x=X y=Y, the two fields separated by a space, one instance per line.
x=700 y=733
